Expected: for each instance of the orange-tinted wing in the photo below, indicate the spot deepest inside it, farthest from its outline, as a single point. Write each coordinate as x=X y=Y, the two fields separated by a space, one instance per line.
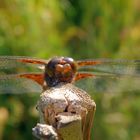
x=106 y=61
x=39 y=78
x=7 y=62
x=80 y=76
x=21 y=83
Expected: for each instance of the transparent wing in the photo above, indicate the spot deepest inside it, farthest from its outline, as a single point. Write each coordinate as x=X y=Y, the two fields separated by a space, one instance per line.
x=108 y=66
x=8 y=62
x=17 y=85
x=109 y=83
x=110 y=76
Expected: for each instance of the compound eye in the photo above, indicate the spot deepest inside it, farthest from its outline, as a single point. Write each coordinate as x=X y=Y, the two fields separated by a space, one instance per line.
x=53 y=63
x=69 y=60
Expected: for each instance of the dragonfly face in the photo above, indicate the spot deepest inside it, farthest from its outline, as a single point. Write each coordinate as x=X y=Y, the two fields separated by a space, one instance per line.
x=60 y=69
x=15 y=75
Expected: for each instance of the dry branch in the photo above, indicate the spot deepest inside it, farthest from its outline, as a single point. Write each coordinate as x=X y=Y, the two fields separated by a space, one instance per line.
x=66 y=112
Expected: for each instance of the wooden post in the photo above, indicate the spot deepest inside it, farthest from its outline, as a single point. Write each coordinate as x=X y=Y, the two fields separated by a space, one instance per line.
x=66 y=113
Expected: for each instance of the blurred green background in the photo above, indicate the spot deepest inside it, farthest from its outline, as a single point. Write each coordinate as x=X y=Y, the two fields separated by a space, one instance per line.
x=79 y=29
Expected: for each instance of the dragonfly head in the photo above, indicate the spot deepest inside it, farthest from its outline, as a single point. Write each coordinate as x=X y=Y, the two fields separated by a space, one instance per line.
x=60 y=69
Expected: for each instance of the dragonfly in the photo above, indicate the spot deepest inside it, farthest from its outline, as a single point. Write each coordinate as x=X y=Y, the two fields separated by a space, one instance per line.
x=19 y=74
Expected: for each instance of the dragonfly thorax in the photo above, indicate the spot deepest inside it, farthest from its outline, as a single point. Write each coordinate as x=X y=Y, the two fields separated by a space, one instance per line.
x=59 y=70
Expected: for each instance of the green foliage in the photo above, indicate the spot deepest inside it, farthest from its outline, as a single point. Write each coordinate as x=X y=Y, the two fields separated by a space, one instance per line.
x=80 y=29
